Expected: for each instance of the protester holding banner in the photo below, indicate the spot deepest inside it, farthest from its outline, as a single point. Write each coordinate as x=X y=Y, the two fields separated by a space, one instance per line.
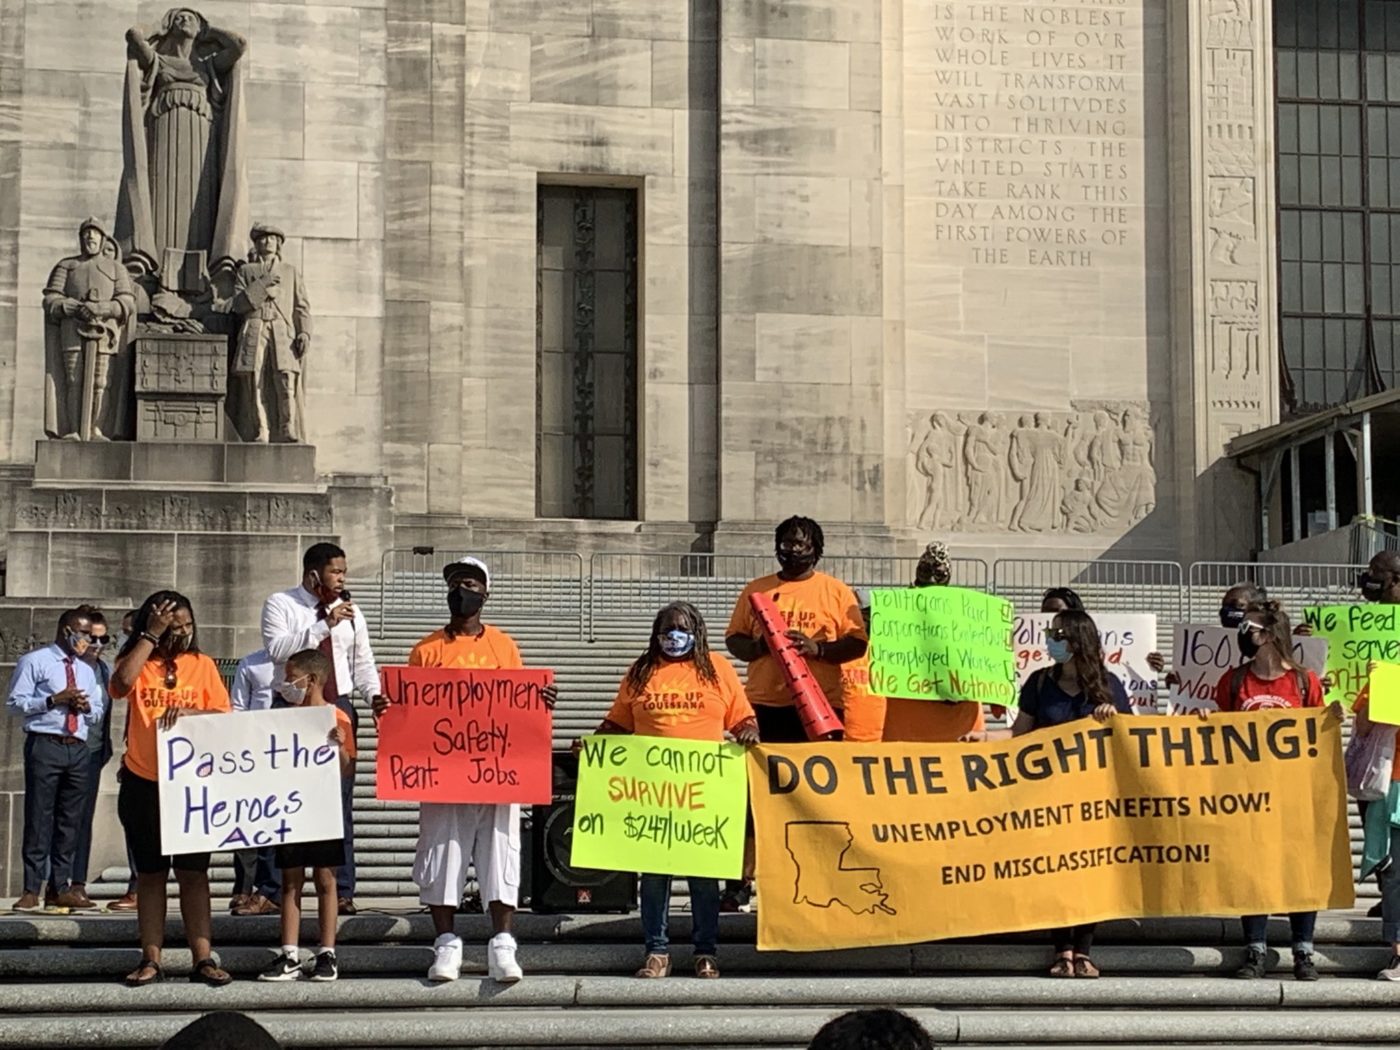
x=1380 y=853
x=862 y=712
x=307 y=673
x=453 y=836
x=932 y=721
x=163 y=675
x=1270 y=680
x=1078 y=685
x=825 y=624
x=680 y=690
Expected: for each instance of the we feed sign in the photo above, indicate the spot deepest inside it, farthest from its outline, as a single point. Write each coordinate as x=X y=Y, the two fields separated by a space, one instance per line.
x=256 y=778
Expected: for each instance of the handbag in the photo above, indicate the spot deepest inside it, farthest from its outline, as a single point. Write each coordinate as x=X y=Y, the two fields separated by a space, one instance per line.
x=1369 y=761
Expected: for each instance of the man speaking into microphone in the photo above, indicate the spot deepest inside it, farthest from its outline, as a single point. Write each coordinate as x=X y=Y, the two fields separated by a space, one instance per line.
x=318 y=614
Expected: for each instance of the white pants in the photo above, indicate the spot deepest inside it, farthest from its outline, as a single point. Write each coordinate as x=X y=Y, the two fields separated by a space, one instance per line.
x=452 y=836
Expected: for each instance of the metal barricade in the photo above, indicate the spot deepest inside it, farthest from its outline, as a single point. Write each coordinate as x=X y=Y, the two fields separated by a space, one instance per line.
x=1293 y=584
x=626 y=589
x=541 y=585
x=1104 y=585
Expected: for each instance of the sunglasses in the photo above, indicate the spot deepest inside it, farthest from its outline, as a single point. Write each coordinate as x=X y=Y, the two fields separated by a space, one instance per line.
x=171 y=680
x=99 y=643
x=1058 y=634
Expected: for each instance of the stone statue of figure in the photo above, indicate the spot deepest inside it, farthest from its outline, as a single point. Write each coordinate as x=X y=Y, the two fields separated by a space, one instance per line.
x=183 y=199
x=1139 y=473
x=984 y=456
x=88 y=302
x=1037 y=453
x=270 y=296
x=937 y=460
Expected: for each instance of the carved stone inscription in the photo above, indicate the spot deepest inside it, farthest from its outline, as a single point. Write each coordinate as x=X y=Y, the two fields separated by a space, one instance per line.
x=1036 y=118
x=1086 y=471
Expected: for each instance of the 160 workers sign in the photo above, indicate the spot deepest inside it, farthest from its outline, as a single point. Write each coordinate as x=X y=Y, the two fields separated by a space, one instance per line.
x=898 y=843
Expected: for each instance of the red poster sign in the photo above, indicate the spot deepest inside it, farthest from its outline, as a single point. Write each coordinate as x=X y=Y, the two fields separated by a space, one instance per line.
x=453 y=735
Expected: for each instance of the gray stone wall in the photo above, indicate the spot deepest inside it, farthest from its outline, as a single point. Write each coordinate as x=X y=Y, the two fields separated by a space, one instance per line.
x=316 y=119
x=486 y=97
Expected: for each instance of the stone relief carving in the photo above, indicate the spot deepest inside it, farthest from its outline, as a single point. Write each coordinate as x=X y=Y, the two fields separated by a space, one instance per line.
x=150 y=512
x=270 y=296
x=1086 y=471
x=89 y=302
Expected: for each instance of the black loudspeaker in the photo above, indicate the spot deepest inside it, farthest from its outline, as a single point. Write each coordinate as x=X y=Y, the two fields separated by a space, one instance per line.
x=552 y=883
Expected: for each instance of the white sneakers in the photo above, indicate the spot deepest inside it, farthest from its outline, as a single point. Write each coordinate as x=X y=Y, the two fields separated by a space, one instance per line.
x=500 y=959
x=447 y=958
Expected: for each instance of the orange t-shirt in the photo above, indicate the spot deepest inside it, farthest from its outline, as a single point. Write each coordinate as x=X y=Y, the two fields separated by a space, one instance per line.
x=342 y=721
x=931 y=721
x=821 y=607
x=862 y=712
x=676 y=702
x=1262 y=694
x=492 y=649
x=198 y=687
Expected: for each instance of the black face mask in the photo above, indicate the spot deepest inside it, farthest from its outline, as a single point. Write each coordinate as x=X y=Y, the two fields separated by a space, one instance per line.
x=1249 y=647
x=464 y=603
x=795 y=564
x=1231 y=616
x=1370 y=586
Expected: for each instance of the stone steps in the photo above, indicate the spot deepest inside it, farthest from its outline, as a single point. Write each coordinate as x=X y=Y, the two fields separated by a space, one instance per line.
x=1167 y=984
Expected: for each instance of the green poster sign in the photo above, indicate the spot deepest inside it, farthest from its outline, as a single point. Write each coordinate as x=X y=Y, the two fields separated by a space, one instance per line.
x=941 y=643
x=660 y=806
x=1357 y=635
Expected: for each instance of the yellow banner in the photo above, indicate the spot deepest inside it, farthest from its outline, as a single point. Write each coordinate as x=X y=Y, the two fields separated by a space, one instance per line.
x=867 y=844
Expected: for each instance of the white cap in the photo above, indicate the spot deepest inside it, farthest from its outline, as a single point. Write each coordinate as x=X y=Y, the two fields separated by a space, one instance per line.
x=456 y=568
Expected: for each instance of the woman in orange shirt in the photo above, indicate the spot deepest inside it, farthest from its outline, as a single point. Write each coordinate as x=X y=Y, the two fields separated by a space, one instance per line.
x=677 y=688
x=164 y=676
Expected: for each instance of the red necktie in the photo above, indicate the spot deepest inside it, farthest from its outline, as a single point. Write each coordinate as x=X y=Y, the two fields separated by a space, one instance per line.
x=70 y=720
x=329 y=690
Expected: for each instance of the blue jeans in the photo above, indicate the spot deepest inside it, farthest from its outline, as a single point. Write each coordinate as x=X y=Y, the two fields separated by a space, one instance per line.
x=1301 y=925
x=704 y=913
x=1389 y=879
x=82 y=856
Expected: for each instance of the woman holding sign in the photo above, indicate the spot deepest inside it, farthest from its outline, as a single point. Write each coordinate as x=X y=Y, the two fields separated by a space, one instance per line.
x=679 y=689
x=1269 y=680
x=1078 y=685
x=164 y=676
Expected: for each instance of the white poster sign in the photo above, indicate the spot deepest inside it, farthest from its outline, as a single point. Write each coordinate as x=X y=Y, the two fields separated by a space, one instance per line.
x=255 y=778
x=1126 y=639
x=1202 y=653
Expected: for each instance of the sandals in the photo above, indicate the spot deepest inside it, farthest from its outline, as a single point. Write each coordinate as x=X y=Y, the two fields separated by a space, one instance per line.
x=208 y=972
x=149 y=972
x=1062 y=968
x=1084 y=967
x=655 y=967
x=706 y=968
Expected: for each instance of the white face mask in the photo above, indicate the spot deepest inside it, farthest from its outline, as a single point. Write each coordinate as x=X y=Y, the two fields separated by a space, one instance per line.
x=293 y=693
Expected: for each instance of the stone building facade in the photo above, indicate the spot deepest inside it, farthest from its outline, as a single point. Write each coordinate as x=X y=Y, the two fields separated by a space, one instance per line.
x=652 y=274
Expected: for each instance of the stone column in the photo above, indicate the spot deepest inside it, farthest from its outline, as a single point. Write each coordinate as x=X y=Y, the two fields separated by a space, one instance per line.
x=1225 y=309
x=802 y=225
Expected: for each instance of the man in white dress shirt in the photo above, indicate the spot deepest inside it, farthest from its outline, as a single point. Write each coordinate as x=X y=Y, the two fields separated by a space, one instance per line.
x=318 y=614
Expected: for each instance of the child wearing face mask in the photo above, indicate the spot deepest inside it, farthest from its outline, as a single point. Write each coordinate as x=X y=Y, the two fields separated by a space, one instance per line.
x=1269 y=680
x=307 y=673
x=678 y=688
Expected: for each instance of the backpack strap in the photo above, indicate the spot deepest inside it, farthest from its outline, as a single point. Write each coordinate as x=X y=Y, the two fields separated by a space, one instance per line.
x=1237 y=679
x=1300 y=675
